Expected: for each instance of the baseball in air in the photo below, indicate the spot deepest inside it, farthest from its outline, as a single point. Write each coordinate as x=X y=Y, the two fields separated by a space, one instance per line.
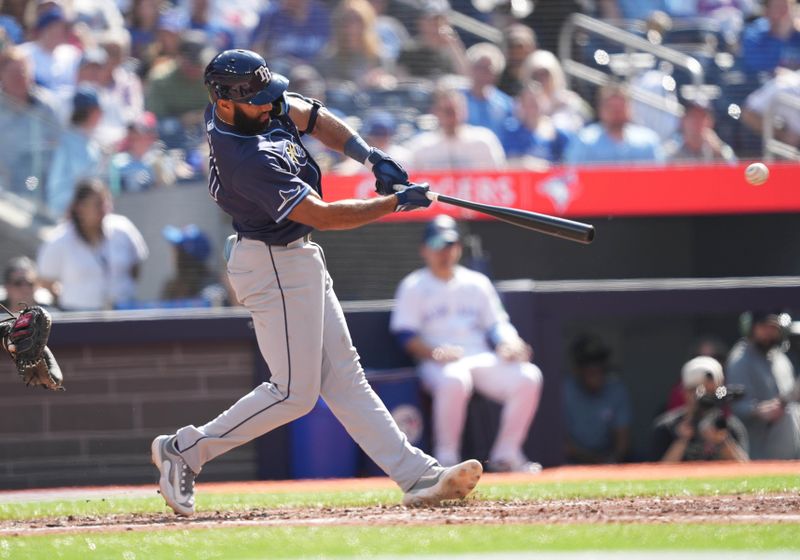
x=756 y=174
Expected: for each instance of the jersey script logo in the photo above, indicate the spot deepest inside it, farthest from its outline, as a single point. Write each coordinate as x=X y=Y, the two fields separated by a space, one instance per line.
x=263 y=74
x=288 y=196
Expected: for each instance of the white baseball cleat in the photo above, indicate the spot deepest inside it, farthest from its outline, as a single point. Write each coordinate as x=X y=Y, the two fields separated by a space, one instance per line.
x=177 y=479
x=451 y=483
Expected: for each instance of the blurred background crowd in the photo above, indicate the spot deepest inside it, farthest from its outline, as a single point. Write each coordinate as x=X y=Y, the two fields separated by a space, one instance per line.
x=113 y=88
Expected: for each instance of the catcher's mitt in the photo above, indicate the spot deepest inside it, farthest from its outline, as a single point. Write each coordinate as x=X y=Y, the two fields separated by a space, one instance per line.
x=24 y=337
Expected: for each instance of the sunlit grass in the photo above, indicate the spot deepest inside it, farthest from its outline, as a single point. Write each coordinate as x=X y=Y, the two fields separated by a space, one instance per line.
x=296 y=542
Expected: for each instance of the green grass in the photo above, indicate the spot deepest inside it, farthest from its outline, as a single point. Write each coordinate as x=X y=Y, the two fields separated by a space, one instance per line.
x=535 y=491
x=296 y=542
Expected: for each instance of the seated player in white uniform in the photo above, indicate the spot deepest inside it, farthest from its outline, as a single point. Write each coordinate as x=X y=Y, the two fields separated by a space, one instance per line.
x=445 y=316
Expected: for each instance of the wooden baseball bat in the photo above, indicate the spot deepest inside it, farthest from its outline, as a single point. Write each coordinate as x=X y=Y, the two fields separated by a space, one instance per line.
x=543 y=223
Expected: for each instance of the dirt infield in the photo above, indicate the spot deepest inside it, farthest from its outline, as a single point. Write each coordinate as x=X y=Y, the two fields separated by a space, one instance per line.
x=746 y=508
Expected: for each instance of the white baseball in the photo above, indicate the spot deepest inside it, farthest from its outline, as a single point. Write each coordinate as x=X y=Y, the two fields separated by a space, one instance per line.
x=756 y=173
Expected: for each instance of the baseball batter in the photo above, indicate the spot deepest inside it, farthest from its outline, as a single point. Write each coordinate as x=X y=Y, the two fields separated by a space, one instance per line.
x=444 y=315
x=262 y=176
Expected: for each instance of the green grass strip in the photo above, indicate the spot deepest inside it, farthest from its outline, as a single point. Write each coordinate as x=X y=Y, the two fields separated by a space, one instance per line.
x=298 y=542
x=532 y=491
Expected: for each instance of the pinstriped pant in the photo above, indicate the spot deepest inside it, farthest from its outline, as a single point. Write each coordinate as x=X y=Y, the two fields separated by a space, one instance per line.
x=304 y=339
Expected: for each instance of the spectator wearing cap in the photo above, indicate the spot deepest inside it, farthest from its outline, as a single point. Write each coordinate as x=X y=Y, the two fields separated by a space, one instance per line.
x=55 y=61
x=436 y=50
x=78 y=154
x=772 y=40
x=614 y=139
x=531 y=139
x=20 y=281
x=193 y=284
x=379 y=131
x=294 y=31
x=702 y=429
x=455 y=144
x=760 y=365
x=29 y=123
x=696 y=140
x=141 y=163
x=519 y=42
x=597 y=406
x=487 y=106
x=443 y=316
x=178 y=93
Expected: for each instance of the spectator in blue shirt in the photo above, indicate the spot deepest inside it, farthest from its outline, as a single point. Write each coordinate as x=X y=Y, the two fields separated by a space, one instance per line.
x=293 y=29
x=773 y=40
x=487 y=106
x=597 y=406
x=614 y=139
x=531 y=139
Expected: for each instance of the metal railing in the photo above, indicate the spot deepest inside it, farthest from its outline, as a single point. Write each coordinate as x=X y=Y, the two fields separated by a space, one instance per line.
x=638 y=54
x=772 y=146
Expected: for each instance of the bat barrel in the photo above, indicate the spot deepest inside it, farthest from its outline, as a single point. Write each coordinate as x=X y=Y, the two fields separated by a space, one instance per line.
x=542 y=223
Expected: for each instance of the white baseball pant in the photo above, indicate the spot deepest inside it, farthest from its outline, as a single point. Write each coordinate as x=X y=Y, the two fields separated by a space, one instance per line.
x=304 y=339
x=516 y=385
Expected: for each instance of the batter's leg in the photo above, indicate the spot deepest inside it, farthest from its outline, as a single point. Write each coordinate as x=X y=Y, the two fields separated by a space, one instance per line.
x=450 y=386
x=283 y=290
x=359 y=409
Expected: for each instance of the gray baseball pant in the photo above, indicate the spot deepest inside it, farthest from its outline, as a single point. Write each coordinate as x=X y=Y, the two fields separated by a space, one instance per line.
x=304 y=339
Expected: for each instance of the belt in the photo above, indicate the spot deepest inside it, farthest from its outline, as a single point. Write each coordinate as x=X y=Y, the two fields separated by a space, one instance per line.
x=299 y=241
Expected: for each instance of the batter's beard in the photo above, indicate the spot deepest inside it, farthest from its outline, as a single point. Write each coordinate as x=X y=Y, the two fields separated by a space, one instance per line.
x=245 y=124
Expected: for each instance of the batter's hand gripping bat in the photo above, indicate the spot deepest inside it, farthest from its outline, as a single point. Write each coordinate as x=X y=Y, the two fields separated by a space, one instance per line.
x=543 y=223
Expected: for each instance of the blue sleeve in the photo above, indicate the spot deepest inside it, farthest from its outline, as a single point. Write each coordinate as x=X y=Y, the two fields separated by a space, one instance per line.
x=404 y=336
x=267 y=180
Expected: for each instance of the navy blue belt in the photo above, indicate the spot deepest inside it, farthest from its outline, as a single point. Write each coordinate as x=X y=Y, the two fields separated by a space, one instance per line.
x=306 y=238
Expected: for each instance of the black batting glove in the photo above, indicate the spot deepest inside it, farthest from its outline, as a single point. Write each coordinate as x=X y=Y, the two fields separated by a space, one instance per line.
x=412 y=197
x=388 y=172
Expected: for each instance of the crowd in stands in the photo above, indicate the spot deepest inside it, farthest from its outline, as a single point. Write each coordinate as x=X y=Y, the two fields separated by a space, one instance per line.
x=114 y=89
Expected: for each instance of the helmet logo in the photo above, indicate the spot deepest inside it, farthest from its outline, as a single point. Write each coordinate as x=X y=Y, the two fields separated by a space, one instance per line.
x=263 y=73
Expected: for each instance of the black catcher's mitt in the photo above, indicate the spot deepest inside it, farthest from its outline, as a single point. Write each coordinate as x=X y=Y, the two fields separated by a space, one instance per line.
x=24 y=337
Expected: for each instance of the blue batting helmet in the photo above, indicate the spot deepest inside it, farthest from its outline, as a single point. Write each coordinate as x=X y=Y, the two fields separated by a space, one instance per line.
x=243 y=76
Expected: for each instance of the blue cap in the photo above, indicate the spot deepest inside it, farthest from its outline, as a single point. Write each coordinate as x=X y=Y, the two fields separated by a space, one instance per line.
x=379 y=123
x=49 y=16
x=441 y=232
x=189 y=239
x=85 y=98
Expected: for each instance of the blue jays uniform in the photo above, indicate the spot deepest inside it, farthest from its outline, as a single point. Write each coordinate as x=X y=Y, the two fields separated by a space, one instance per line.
x=259 y=179
x=282 y=280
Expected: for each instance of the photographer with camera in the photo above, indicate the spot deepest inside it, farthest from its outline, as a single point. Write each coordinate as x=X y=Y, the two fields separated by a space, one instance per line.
x=702 y=429
x=759 y=363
